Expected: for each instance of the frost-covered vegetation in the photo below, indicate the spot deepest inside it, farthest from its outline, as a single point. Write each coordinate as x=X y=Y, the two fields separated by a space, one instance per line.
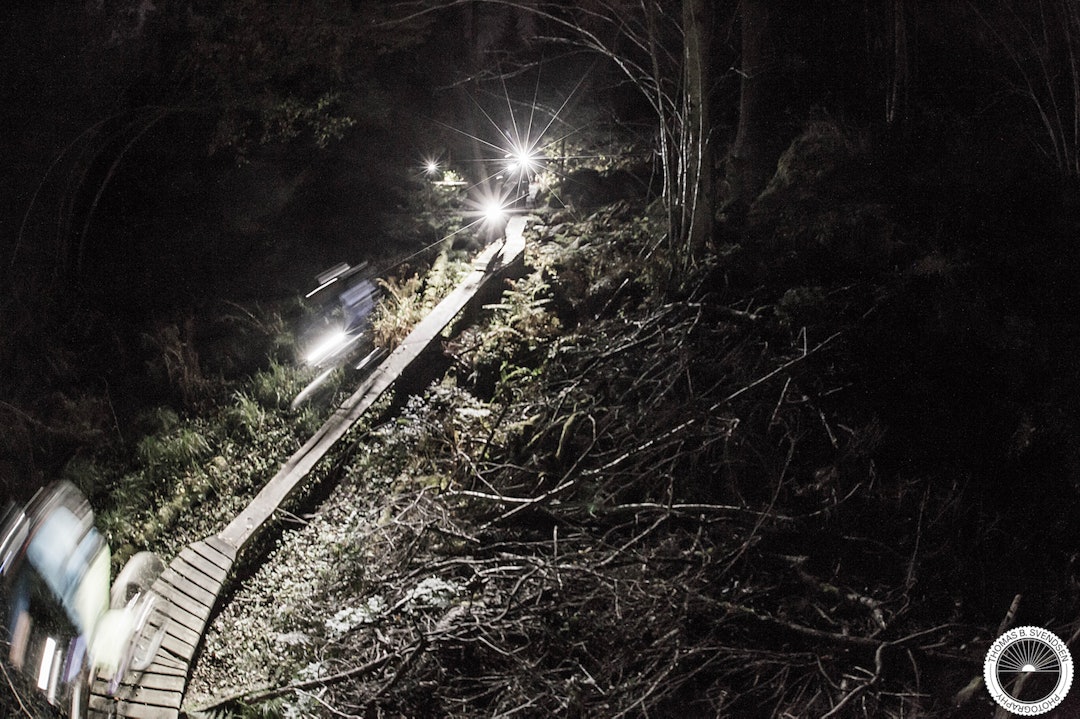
x=781 y=480
x=184 y=476
x=646 y=492
x=572 y=519
x=798 y=439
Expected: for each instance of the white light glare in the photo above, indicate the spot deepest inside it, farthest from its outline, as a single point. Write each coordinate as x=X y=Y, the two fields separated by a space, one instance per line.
x=522 y=160
x=493 y=210
x=327 y=346
x=431 y=167
x=45 y=672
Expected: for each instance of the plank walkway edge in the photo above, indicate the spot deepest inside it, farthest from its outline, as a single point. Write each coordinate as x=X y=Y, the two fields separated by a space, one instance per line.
x=193 y=582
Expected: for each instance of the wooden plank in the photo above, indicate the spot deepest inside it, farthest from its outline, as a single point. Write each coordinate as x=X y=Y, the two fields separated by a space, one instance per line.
x=216 y=551
x=177 y=598
x=154 y=697
x=184 y=584
x=148 y=680
x=134 y=710
x=177 y=647
x=184 y=618
x=169 y=654
x=99 y=706
x=226 y=548
x=104 y=707
x=144 y=711
x=198 y=575
x=195 y=578
x=196 y=560
x=487 y=265
x=163 y=664
x=183 y=633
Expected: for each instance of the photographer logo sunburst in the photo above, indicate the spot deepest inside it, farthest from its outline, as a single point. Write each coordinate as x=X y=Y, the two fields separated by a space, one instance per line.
x=1028 y=671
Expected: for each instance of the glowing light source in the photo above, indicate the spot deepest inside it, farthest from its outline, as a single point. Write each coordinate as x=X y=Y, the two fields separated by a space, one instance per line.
x=320 y=288
x=313 y=385
x=493 y=210
x=45 y=671
x=431 y=167
x=326 y=347
x=522 y=159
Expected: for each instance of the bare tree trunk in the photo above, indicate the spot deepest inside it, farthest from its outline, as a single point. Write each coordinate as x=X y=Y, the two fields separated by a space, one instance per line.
x=752 y=159
x=1071 y=23
x=697 y=190
x=474 y=63
x=1042 y=40
x=665 y=121
x=896 y=101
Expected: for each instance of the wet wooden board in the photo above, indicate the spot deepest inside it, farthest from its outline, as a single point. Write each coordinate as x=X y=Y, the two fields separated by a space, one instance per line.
x=486 y=266
x=103 y=708
x=153 y=680
x=192 y=583
x=195 y=587
x=189 y=588
x=200 y=563
x=216 y=552
x=184 y=618
x=195 y=611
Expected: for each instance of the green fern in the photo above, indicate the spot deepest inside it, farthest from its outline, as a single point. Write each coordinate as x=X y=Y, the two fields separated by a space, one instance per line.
x=276 y=386
x=178 y=450
x=246 y=416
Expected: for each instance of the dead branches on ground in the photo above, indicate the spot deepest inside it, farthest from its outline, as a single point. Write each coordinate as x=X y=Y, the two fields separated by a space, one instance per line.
x=647 y=531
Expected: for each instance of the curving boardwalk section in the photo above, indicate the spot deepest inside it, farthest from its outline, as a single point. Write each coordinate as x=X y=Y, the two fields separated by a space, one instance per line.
x=193 y=582
x=190 y=587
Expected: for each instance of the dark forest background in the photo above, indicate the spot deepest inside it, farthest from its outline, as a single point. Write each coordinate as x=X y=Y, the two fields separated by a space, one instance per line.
x=162 y=157
x=168 y=163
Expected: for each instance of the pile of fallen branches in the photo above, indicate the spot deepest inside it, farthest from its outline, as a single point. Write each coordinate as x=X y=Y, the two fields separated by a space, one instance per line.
x=669 y=531
x=668 y=520
x=677 y=512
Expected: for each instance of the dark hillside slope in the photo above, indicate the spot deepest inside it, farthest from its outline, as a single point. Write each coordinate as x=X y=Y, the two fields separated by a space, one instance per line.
x=806 y=478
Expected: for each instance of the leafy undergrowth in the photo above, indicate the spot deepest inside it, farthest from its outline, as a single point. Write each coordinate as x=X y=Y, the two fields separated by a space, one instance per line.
x=186 y=474
x=407 y=300
x=640 y=492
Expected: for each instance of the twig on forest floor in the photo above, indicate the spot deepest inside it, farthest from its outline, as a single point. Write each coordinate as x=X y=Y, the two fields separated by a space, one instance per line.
x=849 y=640
x=417 y=649
x=1010 y=616
x=633 y=540
x=329 y=707
x=766 y=377
x=768 y=511
x=873 y=680
x=972 y=688
x=265 y=694
x=14 y=691
x=832 y=590
x=692 y=508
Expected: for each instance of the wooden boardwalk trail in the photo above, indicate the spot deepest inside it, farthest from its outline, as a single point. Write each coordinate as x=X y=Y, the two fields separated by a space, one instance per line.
x=193 y=582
